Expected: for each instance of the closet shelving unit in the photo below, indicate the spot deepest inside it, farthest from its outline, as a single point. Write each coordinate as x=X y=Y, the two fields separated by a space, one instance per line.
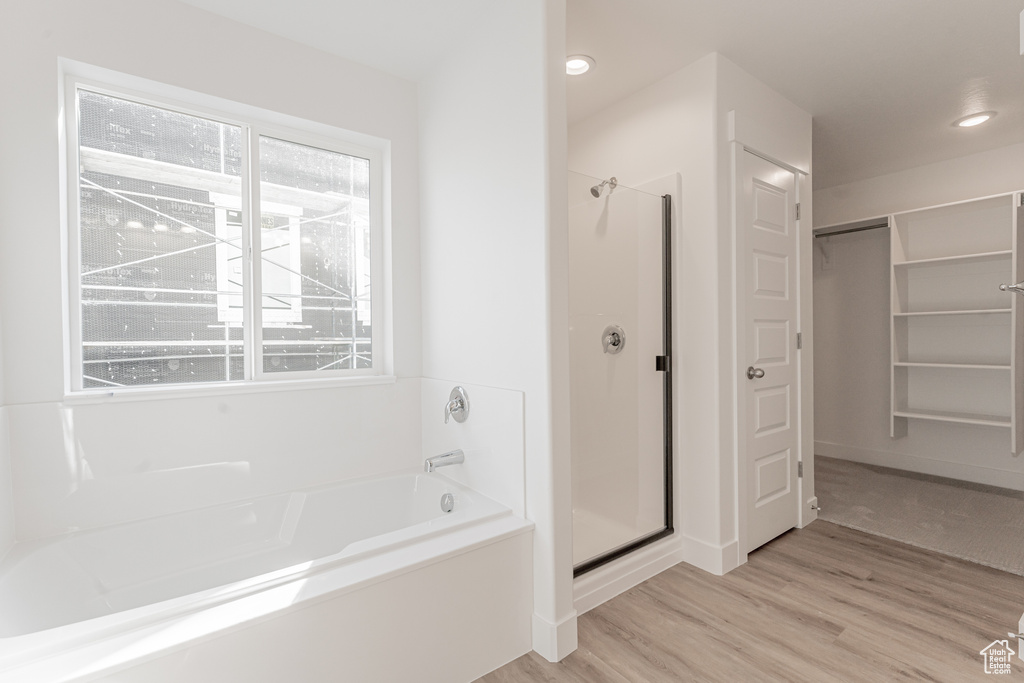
x=956 y=338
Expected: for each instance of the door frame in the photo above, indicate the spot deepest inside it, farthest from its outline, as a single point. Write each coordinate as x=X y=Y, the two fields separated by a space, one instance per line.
x=805 y=374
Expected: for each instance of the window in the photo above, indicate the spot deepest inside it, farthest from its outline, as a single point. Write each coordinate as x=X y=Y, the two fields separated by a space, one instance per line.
x=170 y=204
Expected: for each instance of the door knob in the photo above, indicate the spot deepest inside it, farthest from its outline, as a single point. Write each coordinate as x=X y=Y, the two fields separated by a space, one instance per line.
x=754 y=373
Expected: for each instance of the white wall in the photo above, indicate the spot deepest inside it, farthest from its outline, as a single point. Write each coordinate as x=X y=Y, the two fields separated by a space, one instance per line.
x=6 y=489
x=996 y=171
x=81 y=465
x=851 y=323
x=488 y=157
x=687 y=123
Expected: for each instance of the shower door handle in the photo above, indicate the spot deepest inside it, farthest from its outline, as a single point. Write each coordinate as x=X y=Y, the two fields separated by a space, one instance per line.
x=754 y=373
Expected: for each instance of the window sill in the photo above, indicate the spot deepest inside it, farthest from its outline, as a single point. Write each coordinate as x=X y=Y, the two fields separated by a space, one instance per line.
x=133 y=394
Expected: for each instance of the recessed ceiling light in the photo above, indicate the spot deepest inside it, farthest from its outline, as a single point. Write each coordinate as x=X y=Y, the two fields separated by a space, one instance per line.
x=974 y=119
x=578 y=64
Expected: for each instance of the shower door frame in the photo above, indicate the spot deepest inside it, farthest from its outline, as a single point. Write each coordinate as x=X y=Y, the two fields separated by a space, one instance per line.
x=663 y=364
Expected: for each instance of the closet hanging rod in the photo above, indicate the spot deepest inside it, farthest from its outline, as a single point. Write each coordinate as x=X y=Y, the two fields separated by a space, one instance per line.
x=859 y=226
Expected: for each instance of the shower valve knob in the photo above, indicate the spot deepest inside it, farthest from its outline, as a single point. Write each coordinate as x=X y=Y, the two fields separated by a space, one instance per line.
x=613 y=339
x=457 y=406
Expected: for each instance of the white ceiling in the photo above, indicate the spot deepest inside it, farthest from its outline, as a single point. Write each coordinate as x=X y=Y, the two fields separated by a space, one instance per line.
x=884 y=79
x=401 y=37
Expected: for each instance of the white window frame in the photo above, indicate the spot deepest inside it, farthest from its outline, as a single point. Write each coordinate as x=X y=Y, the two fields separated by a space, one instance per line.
x=254 y=123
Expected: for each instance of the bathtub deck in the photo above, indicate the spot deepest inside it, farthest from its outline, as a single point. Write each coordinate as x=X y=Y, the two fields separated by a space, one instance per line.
x=824 y=603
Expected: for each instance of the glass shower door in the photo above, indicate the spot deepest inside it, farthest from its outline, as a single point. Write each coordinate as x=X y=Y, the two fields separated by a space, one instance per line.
x=619 y=306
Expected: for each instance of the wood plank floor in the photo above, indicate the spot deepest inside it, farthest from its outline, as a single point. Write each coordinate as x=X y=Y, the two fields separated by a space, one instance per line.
x=824 y=603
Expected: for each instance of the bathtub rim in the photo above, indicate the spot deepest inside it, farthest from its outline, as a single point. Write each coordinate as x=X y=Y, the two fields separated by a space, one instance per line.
x=411 y=550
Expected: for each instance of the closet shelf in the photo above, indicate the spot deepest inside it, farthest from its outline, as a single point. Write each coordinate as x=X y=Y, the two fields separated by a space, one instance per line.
x=974 y=311
x=954 y=366
x=958 y=259
x=961 y=418
x=947 y=263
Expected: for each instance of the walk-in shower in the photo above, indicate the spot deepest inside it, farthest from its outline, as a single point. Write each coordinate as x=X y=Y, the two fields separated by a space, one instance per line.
x=620 y=368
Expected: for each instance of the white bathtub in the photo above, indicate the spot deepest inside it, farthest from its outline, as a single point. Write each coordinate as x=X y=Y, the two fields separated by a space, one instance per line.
x=101 y=603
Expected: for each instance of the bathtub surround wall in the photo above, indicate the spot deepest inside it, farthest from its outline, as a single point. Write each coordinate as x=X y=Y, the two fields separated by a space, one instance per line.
x=851 y=320
x=491 y=438
x=688 y=122
x=157 y=457
x=493 y=215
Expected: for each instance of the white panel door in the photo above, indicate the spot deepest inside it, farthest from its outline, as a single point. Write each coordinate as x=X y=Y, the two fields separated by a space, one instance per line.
x=769 y=377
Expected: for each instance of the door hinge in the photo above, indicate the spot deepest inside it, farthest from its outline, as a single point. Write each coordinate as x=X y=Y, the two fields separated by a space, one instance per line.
x=800 y=469
x=662 y=363
x=799 y=341
x=798 y=211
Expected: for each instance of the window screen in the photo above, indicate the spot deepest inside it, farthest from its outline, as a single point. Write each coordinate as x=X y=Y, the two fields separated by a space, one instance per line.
x=162 y=225
x=315 y=231
x=154 y=186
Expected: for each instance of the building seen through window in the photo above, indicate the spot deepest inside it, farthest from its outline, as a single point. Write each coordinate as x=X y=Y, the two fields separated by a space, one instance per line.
x=167 y=294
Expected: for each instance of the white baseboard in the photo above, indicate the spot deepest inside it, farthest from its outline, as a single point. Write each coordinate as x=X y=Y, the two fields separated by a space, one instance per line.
x=554 y=642
x=809 y=512
x=713 y=559
x=915 y=463
x=604 y=583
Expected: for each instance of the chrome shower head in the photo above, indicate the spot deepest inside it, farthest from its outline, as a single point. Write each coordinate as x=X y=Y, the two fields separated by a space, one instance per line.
x=596 y=189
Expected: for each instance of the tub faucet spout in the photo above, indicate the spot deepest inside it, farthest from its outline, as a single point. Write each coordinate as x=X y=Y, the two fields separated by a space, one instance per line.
x=443 y=460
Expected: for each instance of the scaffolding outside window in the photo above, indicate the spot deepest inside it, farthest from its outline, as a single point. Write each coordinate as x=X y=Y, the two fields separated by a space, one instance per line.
x=170 y=208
